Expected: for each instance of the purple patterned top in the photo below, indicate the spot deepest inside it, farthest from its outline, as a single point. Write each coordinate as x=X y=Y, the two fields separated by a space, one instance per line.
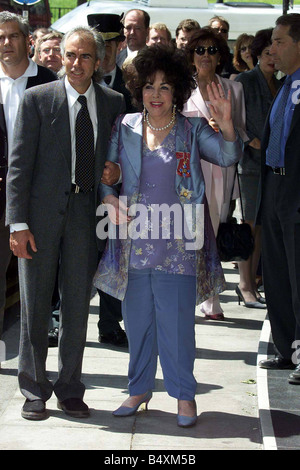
x=161 y=242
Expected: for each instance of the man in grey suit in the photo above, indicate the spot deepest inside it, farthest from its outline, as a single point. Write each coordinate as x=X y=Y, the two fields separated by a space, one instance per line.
x=59 y=212
x=17 y=72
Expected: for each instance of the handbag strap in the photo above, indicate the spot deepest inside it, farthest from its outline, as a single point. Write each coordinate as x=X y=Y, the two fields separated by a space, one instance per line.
x=238 y=180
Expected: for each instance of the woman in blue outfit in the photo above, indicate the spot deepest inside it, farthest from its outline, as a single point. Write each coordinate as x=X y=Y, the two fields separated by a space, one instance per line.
x=161 y=257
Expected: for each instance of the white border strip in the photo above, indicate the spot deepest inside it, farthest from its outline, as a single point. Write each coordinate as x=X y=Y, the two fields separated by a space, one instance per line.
x=269 y=441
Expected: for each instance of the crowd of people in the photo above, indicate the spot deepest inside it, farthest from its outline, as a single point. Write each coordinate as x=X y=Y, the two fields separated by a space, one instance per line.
x=100 y=128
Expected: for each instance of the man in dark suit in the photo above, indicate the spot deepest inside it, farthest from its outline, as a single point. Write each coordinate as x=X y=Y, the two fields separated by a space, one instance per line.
x=280 y=202
x=17 y=72
x=111 y=29
x=58 y=157
x=49 y=51
x=136 y=29
x=221 y=26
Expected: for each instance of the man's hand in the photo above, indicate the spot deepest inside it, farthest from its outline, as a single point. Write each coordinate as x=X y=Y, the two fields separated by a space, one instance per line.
x=18 y=243
x=111 y=173
x=255 y=143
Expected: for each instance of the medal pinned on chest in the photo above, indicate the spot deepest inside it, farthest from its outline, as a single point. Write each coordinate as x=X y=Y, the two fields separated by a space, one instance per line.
x=183 y=167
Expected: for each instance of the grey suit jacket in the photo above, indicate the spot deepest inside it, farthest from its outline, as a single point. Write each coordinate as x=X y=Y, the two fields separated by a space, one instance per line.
x=39 y=175
x=121 y=57
x=44 y=75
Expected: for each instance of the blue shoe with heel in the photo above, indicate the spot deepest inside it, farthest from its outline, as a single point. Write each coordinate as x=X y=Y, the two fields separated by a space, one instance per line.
x=123 y=411
x=187 y=421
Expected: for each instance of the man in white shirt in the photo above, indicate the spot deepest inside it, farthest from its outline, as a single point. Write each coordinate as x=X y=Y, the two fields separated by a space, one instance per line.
x=49 y=51
x=57 y=201
x=159 y=34
x=17 y=72
x=136 y=29
x=184 y=32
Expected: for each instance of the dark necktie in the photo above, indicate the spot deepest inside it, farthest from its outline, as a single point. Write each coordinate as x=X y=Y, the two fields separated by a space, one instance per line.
x=85 y=155
x=277 y=126
x=107 y=79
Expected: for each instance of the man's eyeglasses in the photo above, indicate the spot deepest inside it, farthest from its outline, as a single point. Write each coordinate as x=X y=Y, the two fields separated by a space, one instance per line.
x=54 y=50
x=221 y=30
x=212 y=50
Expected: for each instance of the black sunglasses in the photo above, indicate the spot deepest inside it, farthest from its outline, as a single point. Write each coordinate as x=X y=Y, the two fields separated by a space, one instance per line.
x=244 y=48
x=212 y=50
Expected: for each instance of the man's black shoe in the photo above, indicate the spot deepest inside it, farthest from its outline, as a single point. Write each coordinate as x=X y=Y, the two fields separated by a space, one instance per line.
x=294 y=377
x=74 y=407
x=53 y=337
x=116 y=338
x=34 y=410
x=276 y=363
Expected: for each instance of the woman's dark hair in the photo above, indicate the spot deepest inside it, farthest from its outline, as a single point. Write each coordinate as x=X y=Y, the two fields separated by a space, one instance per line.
x=172 y=62
x=262 y=39
x=238 y=63
x=208 y=34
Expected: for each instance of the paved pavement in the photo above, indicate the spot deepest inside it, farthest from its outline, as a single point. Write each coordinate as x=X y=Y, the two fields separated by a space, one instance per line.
x=239 y=405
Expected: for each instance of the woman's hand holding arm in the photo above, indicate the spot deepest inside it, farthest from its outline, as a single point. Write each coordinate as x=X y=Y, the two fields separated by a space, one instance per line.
x=117 y=211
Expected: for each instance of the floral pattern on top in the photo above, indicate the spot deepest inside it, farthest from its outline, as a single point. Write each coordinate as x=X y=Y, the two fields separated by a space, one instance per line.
x=159 y=238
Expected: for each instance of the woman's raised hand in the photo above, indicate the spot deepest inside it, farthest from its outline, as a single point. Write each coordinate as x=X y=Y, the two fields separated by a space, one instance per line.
x=220 y=109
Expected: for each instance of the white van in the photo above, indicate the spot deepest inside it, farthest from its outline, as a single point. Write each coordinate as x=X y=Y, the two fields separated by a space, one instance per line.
x=243 y=17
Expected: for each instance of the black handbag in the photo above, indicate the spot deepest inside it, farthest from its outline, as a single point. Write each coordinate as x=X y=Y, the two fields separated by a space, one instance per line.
x=235 y=241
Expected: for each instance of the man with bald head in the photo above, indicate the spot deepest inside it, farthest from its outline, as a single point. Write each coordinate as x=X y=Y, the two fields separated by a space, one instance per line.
x=136 y=28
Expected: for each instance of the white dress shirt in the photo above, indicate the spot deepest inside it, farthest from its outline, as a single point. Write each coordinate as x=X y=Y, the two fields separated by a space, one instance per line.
x=113 y=76
x=12 y=91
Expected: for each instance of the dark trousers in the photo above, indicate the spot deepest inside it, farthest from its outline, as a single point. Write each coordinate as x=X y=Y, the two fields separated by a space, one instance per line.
x=110 y=313
x=73 y=243
x=281 y=262
x=5 y=256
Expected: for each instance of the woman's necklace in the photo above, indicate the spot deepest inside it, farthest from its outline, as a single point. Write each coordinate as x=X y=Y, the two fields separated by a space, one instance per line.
x=160 y=128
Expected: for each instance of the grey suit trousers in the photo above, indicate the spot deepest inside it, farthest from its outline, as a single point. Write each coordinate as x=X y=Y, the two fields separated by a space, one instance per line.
x=72 y=243
x=5 y=256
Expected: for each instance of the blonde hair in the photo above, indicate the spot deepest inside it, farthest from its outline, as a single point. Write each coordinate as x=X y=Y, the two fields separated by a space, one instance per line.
x=161 y=27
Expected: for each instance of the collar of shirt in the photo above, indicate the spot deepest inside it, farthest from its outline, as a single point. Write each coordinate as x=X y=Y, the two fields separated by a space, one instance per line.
x=72 y=94
x=288 y=115
x=113 y=76
x=295 y=87
x=131 y=53
x=31 y=71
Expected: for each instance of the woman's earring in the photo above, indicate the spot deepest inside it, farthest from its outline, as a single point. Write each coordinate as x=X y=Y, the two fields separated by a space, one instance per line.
x=174 y=111
x=144 y=114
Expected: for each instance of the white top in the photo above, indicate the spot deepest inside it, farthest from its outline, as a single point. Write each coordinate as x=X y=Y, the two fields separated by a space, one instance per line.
x=113 y=76
x=12 y=91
